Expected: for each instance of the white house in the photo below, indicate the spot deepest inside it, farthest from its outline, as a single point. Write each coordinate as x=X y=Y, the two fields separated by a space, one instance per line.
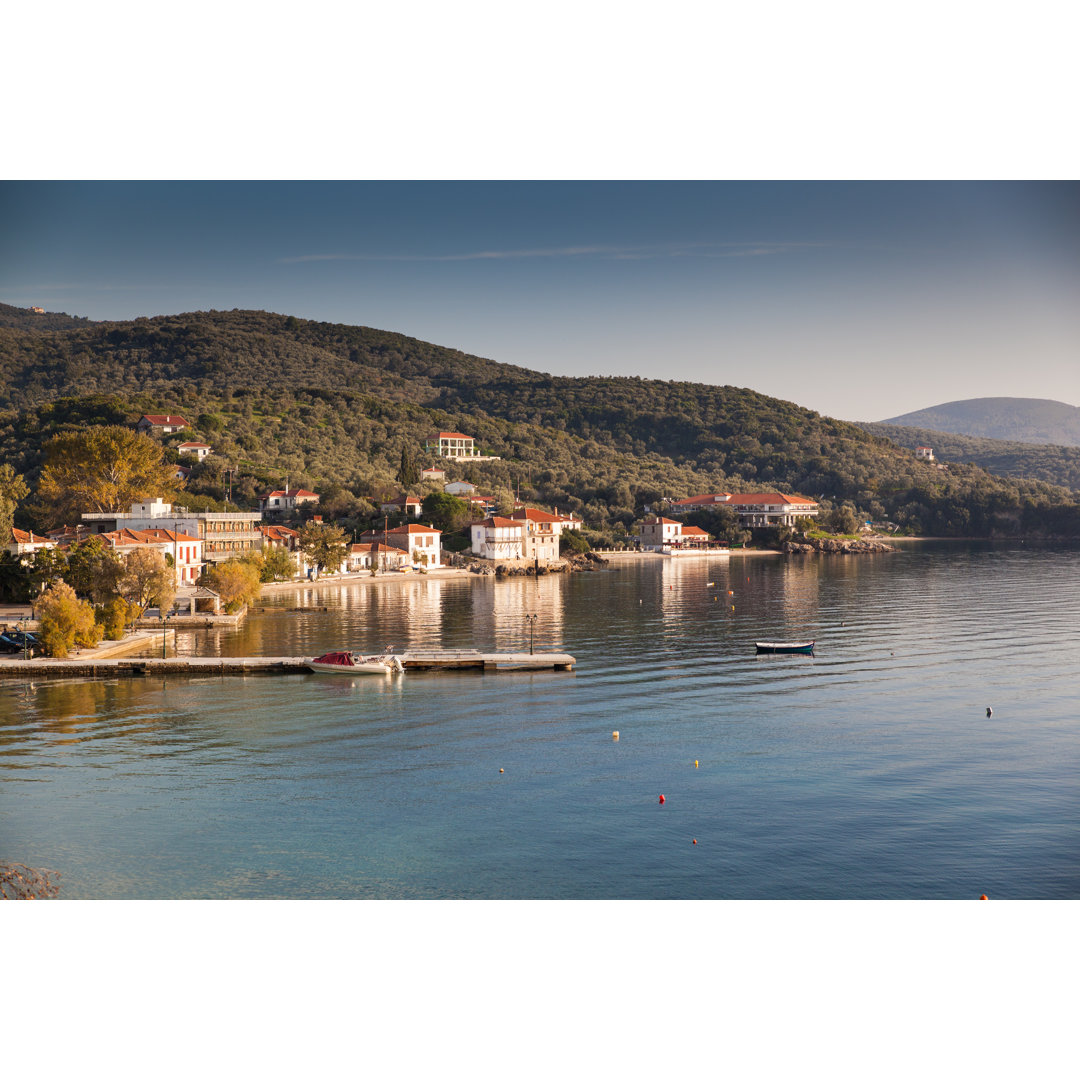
x=452 y=444
x=285 y=500
x=183 y=550
x=433 y=474
x=223 y=536
x=403 y=504
x=542 y=531
x=754 y=509
x=20 y=542
x=498 y=538
x=158 y=424
x=924 y=453
x=197 y=450
x=379 y=556
x=659 y=532
x=420 y=542
x=460 y=488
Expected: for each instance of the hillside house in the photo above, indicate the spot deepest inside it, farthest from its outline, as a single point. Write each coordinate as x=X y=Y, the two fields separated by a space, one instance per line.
x=182 y=473
x=755 y=509
x=198 y=450
x=924 y=453
x=433 y=474
x=406 y=505
x=157 y=424
x=285 y=501
x=454 y=445
x=460 y=488
x=420 y=542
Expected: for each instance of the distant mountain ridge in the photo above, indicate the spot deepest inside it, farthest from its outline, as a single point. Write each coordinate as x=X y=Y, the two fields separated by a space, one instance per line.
x=1010 y=419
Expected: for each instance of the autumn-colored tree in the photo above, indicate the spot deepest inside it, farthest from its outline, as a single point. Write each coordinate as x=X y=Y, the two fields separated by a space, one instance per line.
x=114 y=615
x=148 y=581
x=101 y=470
x=235 y=581
x=12 y=489
x=65 y=620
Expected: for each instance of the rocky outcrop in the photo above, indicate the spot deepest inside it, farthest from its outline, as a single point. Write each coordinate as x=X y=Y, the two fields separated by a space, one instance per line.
x=571 y=564
x=824 y=545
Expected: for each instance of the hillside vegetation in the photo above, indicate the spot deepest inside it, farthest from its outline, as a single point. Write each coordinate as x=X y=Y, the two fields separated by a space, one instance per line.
x=1051 y=464
x=1030 y=420
x=327 y=404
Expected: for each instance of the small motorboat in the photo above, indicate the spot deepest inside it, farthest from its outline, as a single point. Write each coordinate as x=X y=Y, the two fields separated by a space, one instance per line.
x=785 y=646
x=350 y=663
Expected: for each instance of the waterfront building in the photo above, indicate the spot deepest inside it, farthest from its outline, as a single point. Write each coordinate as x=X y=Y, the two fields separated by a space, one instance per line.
x=755 y=509
x=224 y=535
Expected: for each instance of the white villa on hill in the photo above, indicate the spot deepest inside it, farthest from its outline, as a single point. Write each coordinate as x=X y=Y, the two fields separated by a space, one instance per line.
x=754 y=509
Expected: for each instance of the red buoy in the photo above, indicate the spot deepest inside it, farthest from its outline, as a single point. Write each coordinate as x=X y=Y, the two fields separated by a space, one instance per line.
x=984 y=897
x=661 y=798
x=695 y=841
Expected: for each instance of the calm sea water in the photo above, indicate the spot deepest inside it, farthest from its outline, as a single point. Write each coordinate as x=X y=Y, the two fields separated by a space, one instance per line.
x=867 y=771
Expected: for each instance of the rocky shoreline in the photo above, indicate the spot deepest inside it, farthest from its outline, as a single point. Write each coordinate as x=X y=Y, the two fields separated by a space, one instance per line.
x=570 y=564
x=821 y=545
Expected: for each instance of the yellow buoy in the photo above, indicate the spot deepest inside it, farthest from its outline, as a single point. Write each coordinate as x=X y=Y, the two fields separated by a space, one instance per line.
x=695 y=763
x=502 y=770
x=615 y=735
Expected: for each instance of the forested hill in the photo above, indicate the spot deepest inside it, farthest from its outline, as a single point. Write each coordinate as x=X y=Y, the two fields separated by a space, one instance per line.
x=320 y=403
x=1051 y=464
x=28 y=319
x=1030 y=420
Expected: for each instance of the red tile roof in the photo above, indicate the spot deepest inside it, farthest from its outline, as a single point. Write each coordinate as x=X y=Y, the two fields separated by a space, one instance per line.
x=453 y=435
x=18 y=536
x=162 y=421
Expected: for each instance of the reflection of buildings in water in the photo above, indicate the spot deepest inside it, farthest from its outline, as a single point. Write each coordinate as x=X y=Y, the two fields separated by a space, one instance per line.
x=500 y=610
x=680 y=574
x=798 y=588
x=69 y=712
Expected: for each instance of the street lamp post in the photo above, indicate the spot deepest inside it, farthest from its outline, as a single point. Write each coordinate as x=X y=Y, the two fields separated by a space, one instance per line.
x=531 y=620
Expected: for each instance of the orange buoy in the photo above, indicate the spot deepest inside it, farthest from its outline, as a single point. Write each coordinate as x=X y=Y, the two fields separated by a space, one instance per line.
x=502 y=770
x=615 y=736
x=695 y=841
x=984 y=897
x=662 y=799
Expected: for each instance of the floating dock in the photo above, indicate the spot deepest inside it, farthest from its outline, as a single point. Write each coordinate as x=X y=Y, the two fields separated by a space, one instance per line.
x=420 y=660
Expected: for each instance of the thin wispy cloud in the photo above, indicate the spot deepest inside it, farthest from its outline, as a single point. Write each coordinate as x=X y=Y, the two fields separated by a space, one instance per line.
x=726 y=250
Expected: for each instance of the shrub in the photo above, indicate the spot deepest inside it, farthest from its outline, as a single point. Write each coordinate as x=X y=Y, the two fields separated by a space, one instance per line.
x=66 y=621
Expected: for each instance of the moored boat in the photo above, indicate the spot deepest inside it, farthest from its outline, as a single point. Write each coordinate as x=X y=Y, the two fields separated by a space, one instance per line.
x=350 y=663
x=785 y=646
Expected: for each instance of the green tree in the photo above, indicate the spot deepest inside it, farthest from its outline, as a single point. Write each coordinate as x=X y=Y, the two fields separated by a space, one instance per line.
x=843 y=519
x=101 y=470
x=13 y=490
x=94 y=570
x=447 y=513
x=48 y=567
x=324 y=546
x=66 y=621
x=408 y=473
x=278 y=564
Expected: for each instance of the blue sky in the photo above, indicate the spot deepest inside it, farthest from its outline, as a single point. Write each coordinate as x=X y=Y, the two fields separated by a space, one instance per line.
x=860 y=300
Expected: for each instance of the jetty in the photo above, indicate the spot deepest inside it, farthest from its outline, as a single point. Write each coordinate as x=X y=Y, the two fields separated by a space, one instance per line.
x=419 y=660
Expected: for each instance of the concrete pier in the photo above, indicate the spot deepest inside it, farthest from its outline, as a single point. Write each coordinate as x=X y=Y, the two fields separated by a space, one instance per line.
x=425 y=660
